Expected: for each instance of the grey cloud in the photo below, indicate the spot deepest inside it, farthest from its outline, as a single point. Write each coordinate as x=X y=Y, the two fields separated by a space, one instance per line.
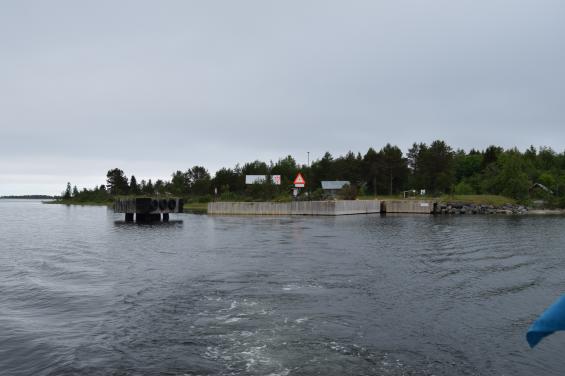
x=92 y=84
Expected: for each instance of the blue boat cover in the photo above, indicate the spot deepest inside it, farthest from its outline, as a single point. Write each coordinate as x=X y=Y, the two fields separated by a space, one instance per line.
x=552 y=320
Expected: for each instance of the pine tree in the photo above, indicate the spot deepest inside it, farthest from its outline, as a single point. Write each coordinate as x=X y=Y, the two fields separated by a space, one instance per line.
x=117 y=182
x=68 y=191
x=133 y=186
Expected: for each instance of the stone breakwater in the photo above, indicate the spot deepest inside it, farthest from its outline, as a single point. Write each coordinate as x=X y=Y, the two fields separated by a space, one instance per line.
x=465 y=208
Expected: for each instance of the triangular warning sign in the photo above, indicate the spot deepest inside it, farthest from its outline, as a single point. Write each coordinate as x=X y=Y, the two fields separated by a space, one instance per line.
x=299 y=180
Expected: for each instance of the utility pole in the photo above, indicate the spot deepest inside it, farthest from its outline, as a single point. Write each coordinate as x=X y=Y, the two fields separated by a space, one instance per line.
x=308 y=182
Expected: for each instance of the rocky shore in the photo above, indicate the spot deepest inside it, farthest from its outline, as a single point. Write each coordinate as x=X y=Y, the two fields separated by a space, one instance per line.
x=466 y=208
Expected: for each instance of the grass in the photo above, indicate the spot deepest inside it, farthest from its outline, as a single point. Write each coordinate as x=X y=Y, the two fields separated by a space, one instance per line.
x=196 y=207
x=479 y=199
x=469 y=199
x=75 y=202
x=192 y=207
x=380 y=197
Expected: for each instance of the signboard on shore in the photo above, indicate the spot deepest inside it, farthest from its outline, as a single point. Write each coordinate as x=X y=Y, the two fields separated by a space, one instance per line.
x=299 y=181
x=260 y=179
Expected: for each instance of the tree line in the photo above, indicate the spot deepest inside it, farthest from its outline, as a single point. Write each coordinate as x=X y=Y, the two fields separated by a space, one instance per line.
x=436 y=168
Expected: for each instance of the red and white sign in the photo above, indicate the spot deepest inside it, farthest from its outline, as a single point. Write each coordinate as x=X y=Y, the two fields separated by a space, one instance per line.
x=299 y=181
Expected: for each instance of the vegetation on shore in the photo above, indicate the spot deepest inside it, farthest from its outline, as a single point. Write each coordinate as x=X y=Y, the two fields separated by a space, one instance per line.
x=190 y=206
x=73 y=201
x=196 y=207
x=493 y=200
x=28 y=197
x=491 y=176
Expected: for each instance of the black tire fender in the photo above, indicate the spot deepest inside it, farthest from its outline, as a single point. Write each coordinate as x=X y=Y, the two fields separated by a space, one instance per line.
x=172 y=204
x=154 y=205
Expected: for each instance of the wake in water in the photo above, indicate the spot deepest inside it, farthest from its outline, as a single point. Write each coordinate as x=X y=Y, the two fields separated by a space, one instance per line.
x=366 y=295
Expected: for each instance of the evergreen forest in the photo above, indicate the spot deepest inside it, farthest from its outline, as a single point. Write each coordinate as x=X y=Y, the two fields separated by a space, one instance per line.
x=524 y=176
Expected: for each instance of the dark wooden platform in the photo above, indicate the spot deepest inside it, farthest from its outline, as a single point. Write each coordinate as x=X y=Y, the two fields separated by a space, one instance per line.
x=148 y=209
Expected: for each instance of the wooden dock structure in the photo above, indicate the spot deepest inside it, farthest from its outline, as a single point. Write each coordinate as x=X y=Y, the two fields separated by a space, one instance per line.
x=148 y=209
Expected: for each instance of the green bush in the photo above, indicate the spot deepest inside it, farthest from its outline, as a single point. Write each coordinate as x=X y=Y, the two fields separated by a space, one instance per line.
x=318 y=195
x=464 y=189
x=228 y=196
x=363 y=191
x=283 y=198
x=204 y=199
x=348 y=192
x=264 y=191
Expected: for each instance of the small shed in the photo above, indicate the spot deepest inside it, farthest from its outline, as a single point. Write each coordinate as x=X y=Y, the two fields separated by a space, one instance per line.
x=539 y=186
x=332 y=187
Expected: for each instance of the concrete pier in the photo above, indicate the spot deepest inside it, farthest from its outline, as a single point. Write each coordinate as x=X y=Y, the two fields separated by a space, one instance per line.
x=332 y=208
x=148 y=209
x=346 y=207
x=328 y=208
x=408 y=206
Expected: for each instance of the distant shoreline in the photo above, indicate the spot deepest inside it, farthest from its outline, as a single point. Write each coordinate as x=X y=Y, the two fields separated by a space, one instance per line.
x=28 y=197
x=201 y=208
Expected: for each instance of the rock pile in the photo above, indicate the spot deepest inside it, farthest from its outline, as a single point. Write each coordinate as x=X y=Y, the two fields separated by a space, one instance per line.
x=465 y=208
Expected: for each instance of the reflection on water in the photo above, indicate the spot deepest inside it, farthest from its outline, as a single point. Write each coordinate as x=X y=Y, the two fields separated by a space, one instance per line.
x=82 y=293
x=171 y=222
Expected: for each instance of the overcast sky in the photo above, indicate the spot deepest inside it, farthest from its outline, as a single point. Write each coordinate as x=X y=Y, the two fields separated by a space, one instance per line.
x=156 y=86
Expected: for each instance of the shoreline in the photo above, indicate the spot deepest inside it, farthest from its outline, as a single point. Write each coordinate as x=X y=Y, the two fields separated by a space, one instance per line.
x=202 y=208
x=546 y=212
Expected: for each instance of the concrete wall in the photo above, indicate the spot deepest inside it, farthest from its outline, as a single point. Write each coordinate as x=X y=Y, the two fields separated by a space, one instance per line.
x=296 y=207
x=343 y=207
x=340 y=207
x=408 y=206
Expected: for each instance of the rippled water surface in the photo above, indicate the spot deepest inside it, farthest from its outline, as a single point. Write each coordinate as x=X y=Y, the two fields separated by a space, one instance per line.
x=82 y=293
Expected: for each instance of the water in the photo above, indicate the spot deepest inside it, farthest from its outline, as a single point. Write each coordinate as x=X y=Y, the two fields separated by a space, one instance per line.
x=82 y=293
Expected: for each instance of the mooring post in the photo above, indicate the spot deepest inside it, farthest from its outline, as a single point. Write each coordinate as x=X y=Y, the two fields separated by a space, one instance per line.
x=129 y=217
x=165 y=217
